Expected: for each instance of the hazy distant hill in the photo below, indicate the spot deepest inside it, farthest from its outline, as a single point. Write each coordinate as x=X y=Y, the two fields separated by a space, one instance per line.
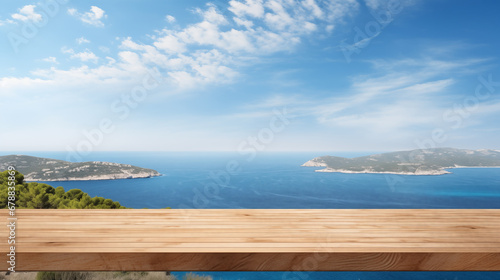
x=415 y=162
x=44 y=169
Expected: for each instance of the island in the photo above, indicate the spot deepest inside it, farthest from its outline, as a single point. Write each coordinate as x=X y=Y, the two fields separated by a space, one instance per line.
x=45 y=169
x=415 y=162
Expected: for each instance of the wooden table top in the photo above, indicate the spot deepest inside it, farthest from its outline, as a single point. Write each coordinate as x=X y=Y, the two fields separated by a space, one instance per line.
x=255 y=239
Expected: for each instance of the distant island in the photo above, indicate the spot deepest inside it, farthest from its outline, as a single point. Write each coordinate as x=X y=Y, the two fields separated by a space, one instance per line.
x=415 y=162
x=44 y=169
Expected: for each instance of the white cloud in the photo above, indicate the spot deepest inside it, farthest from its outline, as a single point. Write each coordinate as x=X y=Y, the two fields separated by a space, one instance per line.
x=253 y=8
x=27 y=13
x=374 y=4
x=398 y=102
x=400 y=98
x=202 y=74
x=111 y=60
x=405 y=93
x=213 y=31
x=7 y=21
x=243 y=22
x=291 y=16
x=85 y=56
x=93 y=17
x=209 y=51
x=67 y=50
x=170 y=44
x=120 y=74
x=212 y=15
x=279 y=18
x=82 y=40
x=312 y=6
x=72 y=11
x=170 y=18
x=51 y=59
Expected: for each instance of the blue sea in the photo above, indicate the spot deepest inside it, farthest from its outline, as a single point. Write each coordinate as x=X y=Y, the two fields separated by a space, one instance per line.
x=276 y=180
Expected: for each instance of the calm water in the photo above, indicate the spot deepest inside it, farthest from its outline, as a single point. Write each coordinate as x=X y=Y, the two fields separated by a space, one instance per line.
x=276 y=180
x=349 y=275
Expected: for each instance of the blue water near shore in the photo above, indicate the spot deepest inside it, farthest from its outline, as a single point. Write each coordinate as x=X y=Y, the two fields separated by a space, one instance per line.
x=348 y=275
x=276 y=180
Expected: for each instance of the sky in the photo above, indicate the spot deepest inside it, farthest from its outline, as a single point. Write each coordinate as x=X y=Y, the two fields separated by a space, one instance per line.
x=249 y=75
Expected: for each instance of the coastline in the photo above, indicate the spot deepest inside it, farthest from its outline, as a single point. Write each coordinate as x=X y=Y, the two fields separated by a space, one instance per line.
x=422 y=173
x=95 y=178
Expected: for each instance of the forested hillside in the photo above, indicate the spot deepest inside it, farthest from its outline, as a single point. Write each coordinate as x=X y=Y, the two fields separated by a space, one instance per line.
x=42 y=196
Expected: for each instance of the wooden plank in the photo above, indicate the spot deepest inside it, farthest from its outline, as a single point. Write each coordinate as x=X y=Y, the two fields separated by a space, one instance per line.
x=256 y=239
x=289 y=262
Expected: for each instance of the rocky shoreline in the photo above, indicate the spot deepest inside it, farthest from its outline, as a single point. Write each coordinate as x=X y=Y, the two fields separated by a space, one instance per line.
x=417 y=173
x=96 y=177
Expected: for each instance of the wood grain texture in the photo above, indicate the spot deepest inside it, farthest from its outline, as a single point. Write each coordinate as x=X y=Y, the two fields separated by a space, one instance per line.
x=256 y=239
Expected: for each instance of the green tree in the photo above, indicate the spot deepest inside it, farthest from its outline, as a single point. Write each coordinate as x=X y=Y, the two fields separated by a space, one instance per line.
x=42 y=196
